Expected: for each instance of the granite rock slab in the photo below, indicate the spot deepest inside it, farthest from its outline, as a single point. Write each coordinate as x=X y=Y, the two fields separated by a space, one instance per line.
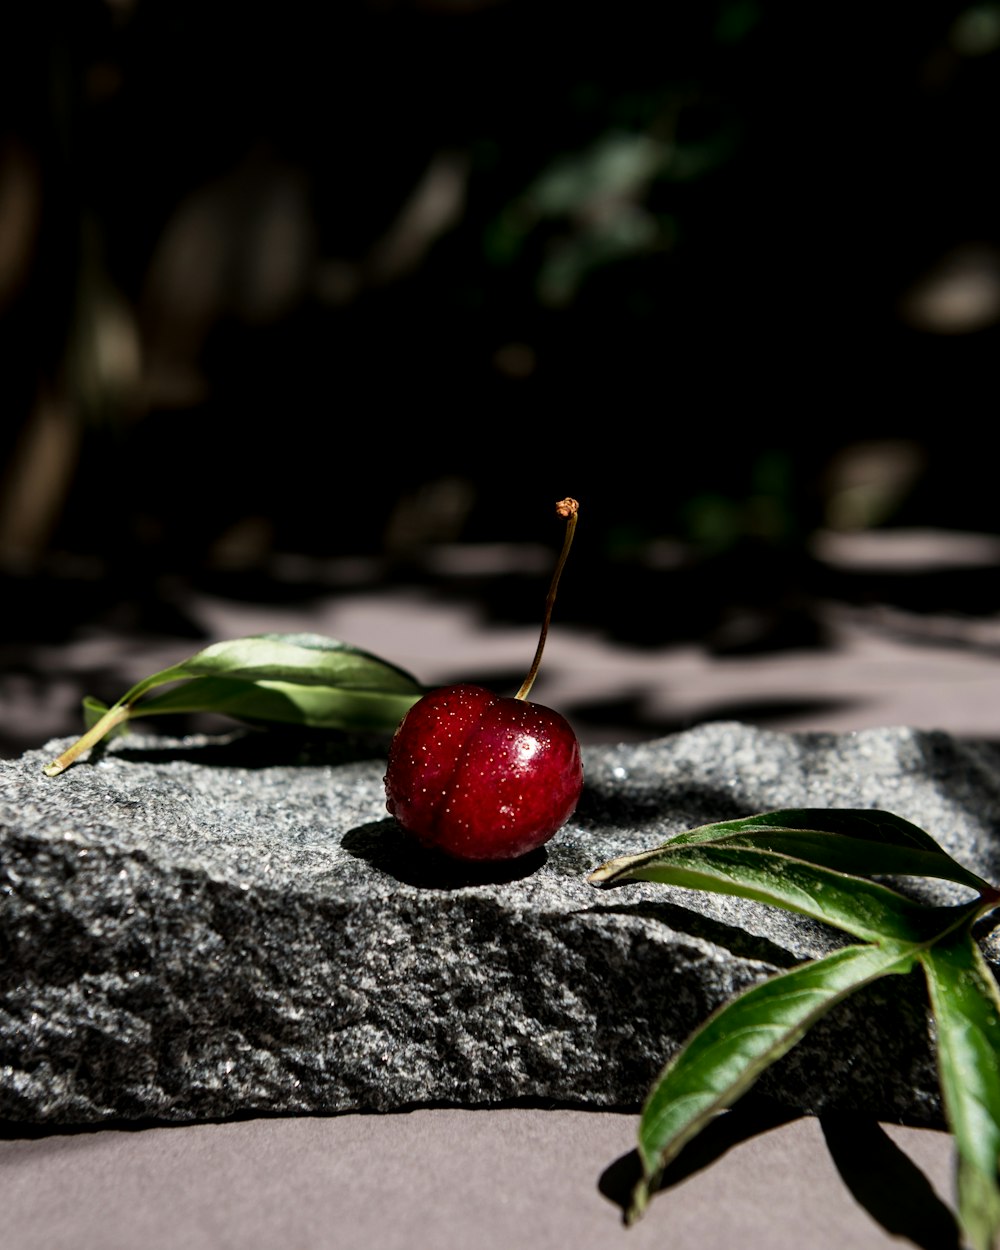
x=208 y=927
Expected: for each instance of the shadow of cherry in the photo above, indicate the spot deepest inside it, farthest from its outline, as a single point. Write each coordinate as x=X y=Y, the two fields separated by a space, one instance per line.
x=384 y=845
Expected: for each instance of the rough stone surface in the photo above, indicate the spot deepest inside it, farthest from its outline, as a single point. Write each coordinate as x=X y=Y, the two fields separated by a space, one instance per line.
x=205 y=927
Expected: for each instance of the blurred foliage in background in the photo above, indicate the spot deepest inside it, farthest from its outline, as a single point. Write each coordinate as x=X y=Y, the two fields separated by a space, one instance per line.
x=360 y=277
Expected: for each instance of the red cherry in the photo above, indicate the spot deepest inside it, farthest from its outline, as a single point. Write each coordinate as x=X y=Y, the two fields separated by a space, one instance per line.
x=480 y=777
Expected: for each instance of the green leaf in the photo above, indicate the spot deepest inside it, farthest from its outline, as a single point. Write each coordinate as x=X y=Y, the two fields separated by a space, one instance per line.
x=733 y=1047
x=851 y=840
x=966 y=1009
x=319 y=707
x=863 y=908
x=812 y=861
x=868 y=824
x=303 y=679
x=93 y=710
x=304 y=659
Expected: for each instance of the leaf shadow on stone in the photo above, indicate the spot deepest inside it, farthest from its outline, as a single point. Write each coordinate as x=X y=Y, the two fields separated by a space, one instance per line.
x=383 y=845
x=968 y=772
x=606 y=803
x=887 y=1183
x=256 y=749
x=753 y=1117
x=739 y=942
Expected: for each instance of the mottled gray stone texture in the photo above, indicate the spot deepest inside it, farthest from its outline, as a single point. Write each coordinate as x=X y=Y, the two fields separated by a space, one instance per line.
x=205 y=927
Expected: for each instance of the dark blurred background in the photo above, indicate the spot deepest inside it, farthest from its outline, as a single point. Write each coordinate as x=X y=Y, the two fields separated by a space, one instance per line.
x=303 y=301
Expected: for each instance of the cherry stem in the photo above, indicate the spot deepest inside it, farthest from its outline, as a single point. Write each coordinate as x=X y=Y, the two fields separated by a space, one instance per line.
x=568 y=508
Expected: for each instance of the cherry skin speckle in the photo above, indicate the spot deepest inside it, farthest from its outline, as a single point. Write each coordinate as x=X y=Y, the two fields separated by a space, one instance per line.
x=480 y=777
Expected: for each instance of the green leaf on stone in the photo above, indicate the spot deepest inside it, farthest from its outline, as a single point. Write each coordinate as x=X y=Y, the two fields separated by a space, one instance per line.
x=819 y=863
x=305 y=659
x=966 y=1010
x=863 y=908
x=728 y=1053
x=284 y=702
x=849 y=840
x=93 y=710
x=302 y=679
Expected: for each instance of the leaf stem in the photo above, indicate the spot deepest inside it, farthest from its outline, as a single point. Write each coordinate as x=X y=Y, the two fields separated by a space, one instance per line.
x=989 y=897
x=112 y=717
x=568 y=508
